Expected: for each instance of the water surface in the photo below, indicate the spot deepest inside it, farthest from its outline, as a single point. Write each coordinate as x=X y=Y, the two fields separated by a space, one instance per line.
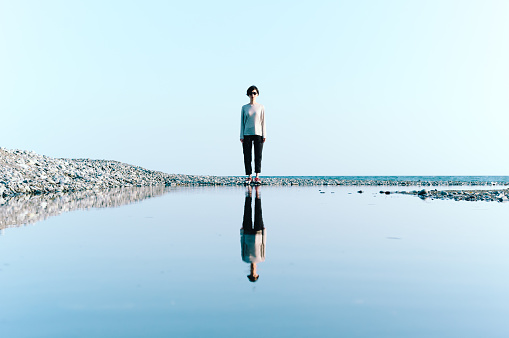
x=335 y=263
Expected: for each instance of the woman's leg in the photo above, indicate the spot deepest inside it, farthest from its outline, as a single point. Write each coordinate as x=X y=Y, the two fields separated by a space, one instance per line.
x=246 y=148
x=258 y=147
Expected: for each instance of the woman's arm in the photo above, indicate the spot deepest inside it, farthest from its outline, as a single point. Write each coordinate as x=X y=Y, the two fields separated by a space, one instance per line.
x=262 y=120
x=242 y=124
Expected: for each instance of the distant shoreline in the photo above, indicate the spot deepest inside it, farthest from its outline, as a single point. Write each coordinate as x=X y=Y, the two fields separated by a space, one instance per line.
x=25 y=172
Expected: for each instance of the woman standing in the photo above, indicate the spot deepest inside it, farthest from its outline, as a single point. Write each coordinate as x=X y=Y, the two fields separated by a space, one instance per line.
x=252 y=132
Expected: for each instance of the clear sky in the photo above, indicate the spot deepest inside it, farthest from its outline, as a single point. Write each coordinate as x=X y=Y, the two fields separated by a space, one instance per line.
x=349 y=87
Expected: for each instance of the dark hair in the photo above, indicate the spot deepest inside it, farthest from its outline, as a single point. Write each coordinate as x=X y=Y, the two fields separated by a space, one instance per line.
x=253 y=278
x=250 y=89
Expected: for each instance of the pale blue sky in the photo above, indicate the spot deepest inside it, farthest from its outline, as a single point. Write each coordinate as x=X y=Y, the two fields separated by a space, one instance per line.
x=350 y=87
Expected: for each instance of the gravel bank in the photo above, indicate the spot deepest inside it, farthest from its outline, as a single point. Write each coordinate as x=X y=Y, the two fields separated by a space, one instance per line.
x=25 y=172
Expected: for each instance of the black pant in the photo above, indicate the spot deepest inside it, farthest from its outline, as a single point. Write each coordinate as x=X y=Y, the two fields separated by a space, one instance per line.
x=258 y=147
x=247 y=224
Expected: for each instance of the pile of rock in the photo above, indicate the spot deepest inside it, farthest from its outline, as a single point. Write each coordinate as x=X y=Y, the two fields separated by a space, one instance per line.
x=499 y=195
x=25 y=172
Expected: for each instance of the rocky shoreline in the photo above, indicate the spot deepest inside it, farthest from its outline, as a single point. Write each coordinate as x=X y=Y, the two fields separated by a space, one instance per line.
x=25 y=172
x=495 y=195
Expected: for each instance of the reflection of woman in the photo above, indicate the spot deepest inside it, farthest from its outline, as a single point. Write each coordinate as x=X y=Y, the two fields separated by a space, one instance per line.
x=252 y=132
x=252 y=239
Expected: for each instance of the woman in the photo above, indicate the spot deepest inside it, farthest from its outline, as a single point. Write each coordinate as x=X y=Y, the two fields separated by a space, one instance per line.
x=252 y=132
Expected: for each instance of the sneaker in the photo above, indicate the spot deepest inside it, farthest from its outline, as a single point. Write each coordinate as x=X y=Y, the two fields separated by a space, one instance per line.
x=257 y=180
x=248 y=180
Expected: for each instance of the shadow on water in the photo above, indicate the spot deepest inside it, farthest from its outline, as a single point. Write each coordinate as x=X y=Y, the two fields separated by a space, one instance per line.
x=29 y=209
x=253 y=238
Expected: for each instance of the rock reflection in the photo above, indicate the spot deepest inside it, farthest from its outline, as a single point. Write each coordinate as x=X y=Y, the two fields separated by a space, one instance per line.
x=253 y=239
x=25 y=209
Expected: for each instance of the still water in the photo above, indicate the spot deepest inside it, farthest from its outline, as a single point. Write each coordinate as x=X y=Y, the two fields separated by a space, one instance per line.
x=177 y=263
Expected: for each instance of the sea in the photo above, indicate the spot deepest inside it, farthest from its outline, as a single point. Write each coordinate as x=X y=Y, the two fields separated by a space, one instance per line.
x=481 y=179
x=297 y=261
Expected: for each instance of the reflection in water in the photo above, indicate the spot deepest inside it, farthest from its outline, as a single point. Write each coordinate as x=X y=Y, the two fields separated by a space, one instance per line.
x=253 y=239
x=26 y=209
